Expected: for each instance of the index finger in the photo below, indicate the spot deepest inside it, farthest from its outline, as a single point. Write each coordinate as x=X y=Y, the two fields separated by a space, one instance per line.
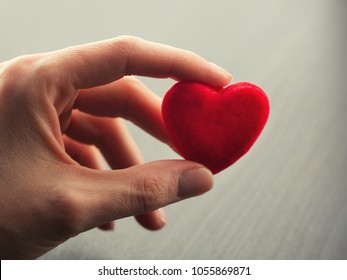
x=102 y=62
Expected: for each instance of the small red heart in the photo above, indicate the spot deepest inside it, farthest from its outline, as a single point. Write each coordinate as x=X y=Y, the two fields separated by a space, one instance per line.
x=214 y=128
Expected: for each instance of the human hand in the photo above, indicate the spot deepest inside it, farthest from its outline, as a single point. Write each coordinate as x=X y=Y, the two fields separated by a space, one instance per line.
x=58 y=111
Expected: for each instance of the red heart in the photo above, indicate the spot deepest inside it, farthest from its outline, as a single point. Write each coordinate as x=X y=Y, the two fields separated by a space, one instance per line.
x=214 y=128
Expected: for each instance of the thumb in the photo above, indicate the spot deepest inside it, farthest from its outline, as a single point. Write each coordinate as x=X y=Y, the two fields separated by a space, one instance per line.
x=102 y=196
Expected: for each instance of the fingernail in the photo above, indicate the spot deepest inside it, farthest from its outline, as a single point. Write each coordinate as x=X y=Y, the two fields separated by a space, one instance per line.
x=220 y=69
x=162 y=215
x=194 y=181
x=107 y=227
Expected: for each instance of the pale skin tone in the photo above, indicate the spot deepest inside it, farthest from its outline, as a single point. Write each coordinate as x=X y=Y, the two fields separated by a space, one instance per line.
x=53 y=131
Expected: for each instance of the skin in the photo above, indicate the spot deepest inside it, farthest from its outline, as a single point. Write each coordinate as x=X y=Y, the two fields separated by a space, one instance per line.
x=59 y=113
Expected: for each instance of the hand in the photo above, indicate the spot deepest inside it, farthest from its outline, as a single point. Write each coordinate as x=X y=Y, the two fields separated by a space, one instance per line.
x=58 y=111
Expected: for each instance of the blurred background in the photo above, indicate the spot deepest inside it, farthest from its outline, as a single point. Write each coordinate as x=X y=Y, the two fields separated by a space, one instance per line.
x=286 y=198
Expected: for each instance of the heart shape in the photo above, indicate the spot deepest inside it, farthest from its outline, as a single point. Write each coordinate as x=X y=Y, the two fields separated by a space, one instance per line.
x=214 y=127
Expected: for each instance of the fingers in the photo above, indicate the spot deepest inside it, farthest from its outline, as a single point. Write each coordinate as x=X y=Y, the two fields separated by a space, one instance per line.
x=102 y=62
x=110 y=136
x=101 y=196
x=117 y=146
x=86 y=155
x=152 y=220
x=127 y=98
x=105 y=196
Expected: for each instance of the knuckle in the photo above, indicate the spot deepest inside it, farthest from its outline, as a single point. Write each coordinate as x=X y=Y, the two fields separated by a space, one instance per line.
x=128 y=47
x=127 y=41
x=18 y=67
x=30 y=79
x=134 y=92
x=68 y=212
x=16 y=75
x=149 y=193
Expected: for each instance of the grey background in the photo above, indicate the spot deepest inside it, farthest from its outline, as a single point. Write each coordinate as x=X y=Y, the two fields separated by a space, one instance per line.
x=287 y=198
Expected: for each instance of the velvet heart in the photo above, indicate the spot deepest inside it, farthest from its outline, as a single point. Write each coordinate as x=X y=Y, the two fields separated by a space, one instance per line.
x=214 y=127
